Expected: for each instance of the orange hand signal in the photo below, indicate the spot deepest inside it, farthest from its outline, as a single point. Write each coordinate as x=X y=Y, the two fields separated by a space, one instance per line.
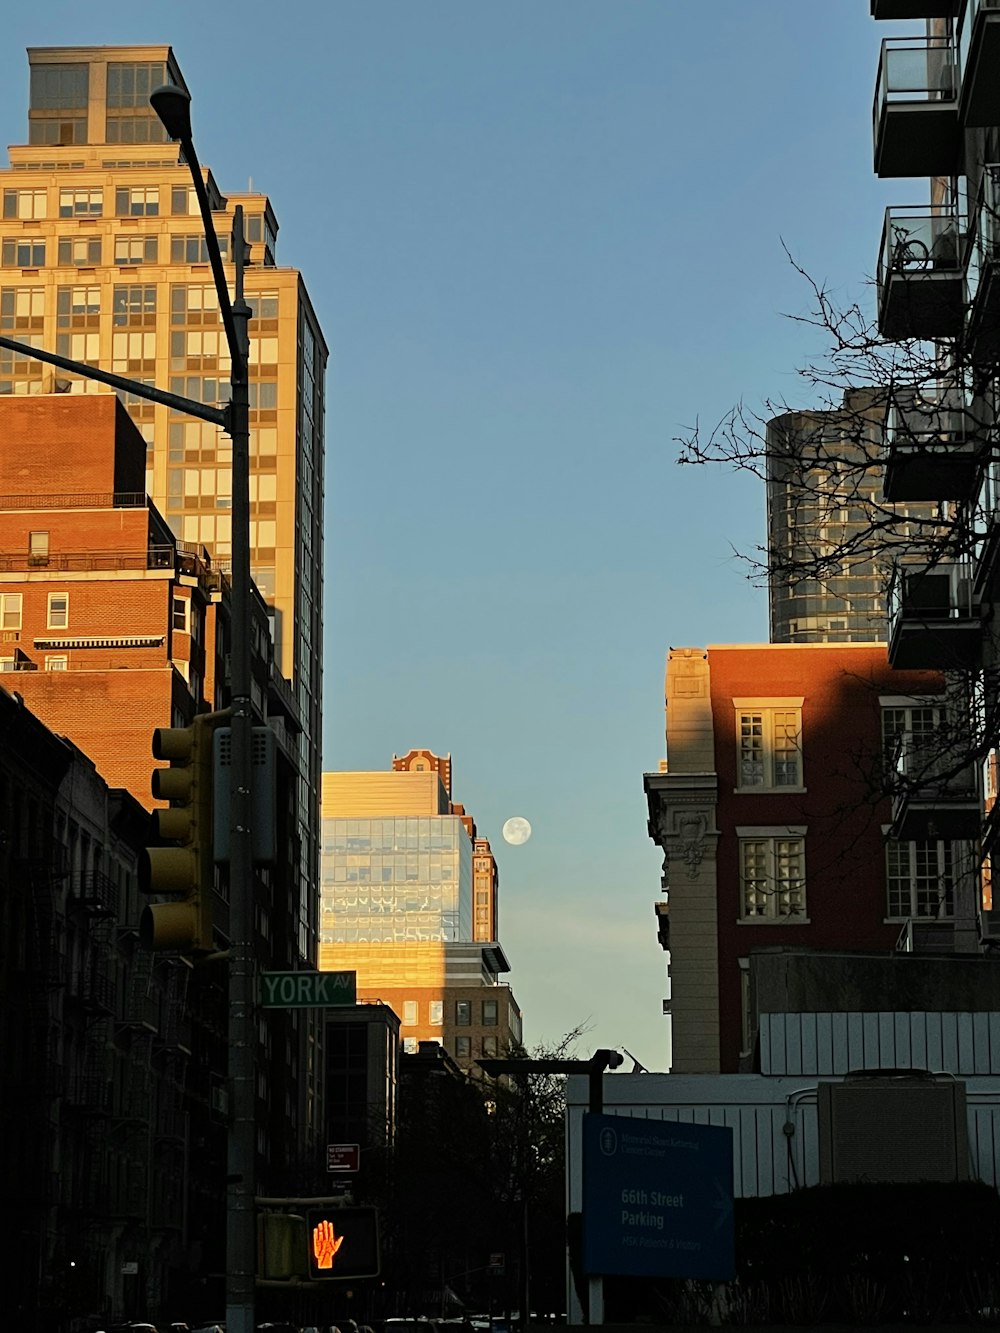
x=326 y=1243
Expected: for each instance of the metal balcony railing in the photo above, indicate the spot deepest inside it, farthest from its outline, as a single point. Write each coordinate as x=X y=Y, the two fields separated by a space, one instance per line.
x=935 y=621
x=921 y=283
x=915 y=111
x=935 y=444
x=978 y=47
x=77 y=500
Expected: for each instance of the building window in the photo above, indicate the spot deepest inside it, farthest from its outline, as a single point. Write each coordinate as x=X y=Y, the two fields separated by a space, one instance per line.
x=22 y=252
x=436 y=1013
x=83 y=251
x=772 y=875
x=135 y=249
x=57 y=107
x=58 y=617
x=183 y=200
x=133 y=304
x=917 y=726
x=133 y=351
x=409 y=1045
x=10 y=610
x=194 y=249
x=179 y=613
x=25 y=203
x=137 y=201
x=79 y=346
x=463 y=1012
x=78 y=307
x=919 y=879
x=129 y=117
x=22 y=308
x=463 y=1048
x=58 y=662
x=769 y=744
x=489 y=1013
x=409 y=1012
x=490 y=1047
x=81 y=203
x=7 y=664
x=59 y=87
x=38 y=545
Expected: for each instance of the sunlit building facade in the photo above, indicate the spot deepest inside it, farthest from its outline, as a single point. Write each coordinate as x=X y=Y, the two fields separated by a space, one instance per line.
x=103 y=260
x=402 y=870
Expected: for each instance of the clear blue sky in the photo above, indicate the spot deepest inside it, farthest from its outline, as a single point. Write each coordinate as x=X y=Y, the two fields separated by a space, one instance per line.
x=542 y=237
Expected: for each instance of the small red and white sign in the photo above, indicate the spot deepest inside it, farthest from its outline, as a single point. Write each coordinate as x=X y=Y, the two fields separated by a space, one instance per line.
x=342 y=1156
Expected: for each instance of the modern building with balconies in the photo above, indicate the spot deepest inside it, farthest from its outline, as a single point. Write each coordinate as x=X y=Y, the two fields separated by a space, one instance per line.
x=941 y=440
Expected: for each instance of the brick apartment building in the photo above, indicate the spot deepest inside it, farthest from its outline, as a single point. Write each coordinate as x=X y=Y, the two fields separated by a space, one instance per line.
x=772 y=815
x=108 y=625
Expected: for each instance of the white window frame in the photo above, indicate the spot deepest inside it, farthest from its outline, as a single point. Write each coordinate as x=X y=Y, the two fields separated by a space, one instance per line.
x=51 y=621
x=411 y=1013
x=943 y=854
x=436 y=1013
x=409 y=1046
x=57 y=662
x=909 y=706
x=769 y=711
x=772 y=843
x=11 y=610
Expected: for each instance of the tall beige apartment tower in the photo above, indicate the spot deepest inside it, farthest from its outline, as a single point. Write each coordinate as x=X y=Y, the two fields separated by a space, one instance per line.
x=103 y=259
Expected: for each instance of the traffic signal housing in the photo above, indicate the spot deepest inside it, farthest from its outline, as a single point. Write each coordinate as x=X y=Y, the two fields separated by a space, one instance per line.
x=342 y=1243
x=184 y=872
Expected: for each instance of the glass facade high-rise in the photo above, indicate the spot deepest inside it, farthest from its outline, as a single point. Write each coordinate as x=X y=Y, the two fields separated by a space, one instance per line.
x=397 y=880
x=408 y=899
x=103 y=259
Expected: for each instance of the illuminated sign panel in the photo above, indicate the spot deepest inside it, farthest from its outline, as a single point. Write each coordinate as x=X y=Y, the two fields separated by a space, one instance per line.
x=342 y=1242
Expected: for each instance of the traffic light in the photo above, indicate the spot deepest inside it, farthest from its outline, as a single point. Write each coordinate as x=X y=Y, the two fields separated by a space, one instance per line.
x=185 y=872
x=342 y=1242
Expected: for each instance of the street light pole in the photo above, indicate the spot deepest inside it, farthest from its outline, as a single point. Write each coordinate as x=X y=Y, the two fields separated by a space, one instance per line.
x=173 y=106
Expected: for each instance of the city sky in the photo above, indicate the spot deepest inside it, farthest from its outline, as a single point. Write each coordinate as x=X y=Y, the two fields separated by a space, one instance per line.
x=543 y=238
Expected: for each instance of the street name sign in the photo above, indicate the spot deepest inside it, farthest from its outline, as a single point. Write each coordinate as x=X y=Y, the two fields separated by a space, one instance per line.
x=657 y=1198
x=307 y=990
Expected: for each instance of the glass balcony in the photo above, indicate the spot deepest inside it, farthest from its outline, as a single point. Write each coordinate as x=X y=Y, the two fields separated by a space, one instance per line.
x=934 y=621
x=921 y=280
x=915 y=116
x=978 y=53
x=983 y=272
x=914 y=9
x=937 y=793
x=935 y=449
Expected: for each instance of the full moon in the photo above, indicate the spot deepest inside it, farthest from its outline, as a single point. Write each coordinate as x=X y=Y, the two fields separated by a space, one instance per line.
x=516 y=831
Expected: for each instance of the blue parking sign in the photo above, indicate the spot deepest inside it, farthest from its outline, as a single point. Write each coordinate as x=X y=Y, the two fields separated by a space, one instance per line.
x=657 y=1198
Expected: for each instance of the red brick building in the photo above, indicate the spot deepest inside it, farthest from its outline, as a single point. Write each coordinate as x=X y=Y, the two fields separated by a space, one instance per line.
x=107 y=624
x=778 y=832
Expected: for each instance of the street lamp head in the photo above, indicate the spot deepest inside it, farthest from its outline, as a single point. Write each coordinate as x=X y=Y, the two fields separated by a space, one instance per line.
x=173 y=106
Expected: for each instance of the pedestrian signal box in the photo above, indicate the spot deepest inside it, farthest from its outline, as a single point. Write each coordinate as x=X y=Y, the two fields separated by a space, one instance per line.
x=342 y=1242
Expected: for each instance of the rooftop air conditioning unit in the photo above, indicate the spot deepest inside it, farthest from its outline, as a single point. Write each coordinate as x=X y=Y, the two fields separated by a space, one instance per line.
x=896 y=1129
